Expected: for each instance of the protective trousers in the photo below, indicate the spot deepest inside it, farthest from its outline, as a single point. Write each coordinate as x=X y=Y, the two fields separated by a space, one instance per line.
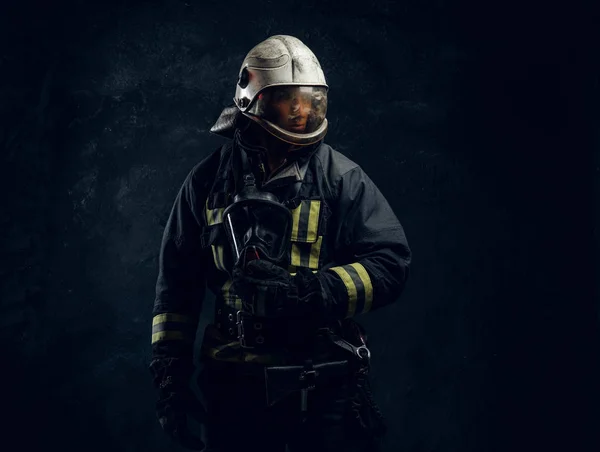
x=240 y=419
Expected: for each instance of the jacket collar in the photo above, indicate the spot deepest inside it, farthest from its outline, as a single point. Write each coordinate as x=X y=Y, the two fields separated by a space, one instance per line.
x=252 y=149
x=294 y=170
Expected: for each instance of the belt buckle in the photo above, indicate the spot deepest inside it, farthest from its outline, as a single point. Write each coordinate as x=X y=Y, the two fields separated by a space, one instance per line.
x=309 y=381
x=240 y=327
x=309 y=378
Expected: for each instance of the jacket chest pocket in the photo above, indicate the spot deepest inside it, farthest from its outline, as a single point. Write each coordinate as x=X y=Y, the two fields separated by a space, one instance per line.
x=308 y=226
x=214 y=236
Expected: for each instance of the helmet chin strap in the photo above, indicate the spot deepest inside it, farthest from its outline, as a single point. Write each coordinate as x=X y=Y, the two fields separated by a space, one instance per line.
x=269 y=141
x=276 y=149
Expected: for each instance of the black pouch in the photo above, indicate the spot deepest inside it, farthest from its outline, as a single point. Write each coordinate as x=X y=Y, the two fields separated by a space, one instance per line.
x=282 y=381
x=366 y=420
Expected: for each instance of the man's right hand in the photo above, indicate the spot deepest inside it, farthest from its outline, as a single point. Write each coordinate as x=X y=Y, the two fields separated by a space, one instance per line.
x=174 y=410
x=176 y=400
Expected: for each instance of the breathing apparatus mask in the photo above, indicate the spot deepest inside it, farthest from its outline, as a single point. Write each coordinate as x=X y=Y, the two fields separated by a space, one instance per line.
x=258 y=226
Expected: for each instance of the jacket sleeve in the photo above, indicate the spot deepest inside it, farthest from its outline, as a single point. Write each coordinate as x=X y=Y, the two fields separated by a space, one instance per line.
x=371 y=253
x=181 y=283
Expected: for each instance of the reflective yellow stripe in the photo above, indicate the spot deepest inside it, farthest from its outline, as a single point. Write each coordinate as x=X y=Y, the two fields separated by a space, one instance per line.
x=230 y=300
x=307 y=252
x=218 y=257
x=315 y=252
x=368 y=286
x=168 y=317
x=249 y=357
x=350 y=287
x=167 y=336
x=296 y=222
x=225 y=291
x=225 y=288
x=214 y=351
x=306 y=243
x=214 y=216
x=165 y=327
x=359 y=287
x=296 y=255
x=236 y=355
x=313 y=221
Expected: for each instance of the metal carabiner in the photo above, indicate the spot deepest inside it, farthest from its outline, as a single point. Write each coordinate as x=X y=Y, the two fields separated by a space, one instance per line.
x=363 y=352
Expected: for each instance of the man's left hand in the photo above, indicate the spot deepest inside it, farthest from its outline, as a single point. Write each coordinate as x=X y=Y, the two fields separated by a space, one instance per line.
x=267 y=290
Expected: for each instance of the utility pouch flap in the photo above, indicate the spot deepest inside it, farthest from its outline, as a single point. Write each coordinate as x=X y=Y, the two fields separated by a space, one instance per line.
x=282 y=381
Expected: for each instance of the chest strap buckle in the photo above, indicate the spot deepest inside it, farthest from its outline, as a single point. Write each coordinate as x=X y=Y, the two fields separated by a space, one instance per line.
x=240 y=328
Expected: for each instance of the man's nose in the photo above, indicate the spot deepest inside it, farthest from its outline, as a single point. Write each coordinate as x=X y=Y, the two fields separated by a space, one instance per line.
x=295 y=105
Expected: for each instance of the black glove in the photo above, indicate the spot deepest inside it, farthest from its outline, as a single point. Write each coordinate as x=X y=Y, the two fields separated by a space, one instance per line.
x=176 y=402
x=268 y=290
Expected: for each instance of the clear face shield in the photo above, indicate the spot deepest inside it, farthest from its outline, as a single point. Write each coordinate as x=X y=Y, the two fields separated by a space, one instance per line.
x=295 y=114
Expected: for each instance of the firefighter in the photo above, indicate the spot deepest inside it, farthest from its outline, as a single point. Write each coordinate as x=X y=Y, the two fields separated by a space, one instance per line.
x=295 y=241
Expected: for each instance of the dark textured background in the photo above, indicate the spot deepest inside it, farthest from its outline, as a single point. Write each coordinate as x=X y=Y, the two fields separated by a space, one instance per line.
x=473 y=120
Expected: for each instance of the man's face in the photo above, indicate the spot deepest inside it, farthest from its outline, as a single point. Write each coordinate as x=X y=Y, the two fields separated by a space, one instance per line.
x=295 y=110
x=291 y=106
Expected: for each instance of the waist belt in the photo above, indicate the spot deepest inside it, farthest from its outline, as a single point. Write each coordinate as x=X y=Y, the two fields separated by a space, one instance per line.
x=255 y=332
x=282 y=381
x=270 y=333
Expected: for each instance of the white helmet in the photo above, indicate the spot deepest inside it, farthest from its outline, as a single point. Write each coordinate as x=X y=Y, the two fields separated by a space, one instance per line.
x=282 y=87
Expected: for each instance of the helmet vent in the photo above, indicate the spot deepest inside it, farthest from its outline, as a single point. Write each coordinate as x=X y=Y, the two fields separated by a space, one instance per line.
x=244 y=78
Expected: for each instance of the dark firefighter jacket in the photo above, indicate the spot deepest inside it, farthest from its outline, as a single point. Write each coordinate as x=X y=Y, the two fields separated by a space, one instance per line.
x=342 y=226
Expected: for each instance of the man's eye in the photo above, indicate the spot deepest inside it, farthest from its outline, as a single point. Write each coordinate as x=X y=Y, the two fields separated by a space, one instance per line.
x=281 y=95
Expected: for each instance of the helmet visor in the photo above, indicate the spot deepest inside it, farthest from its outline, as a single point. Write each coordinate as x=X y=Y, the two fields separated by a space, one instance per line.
x=295 y=109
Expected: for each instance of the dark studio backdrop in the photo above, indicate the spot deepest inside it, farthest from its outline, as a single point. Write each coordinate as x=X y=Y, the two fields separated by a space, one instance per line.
x=474 y=120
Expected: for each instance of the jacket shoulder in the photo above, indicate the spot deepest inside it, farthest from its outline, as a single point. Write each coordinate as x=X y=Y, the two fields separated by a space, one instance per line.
x=202 y=175
x=334 y=163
